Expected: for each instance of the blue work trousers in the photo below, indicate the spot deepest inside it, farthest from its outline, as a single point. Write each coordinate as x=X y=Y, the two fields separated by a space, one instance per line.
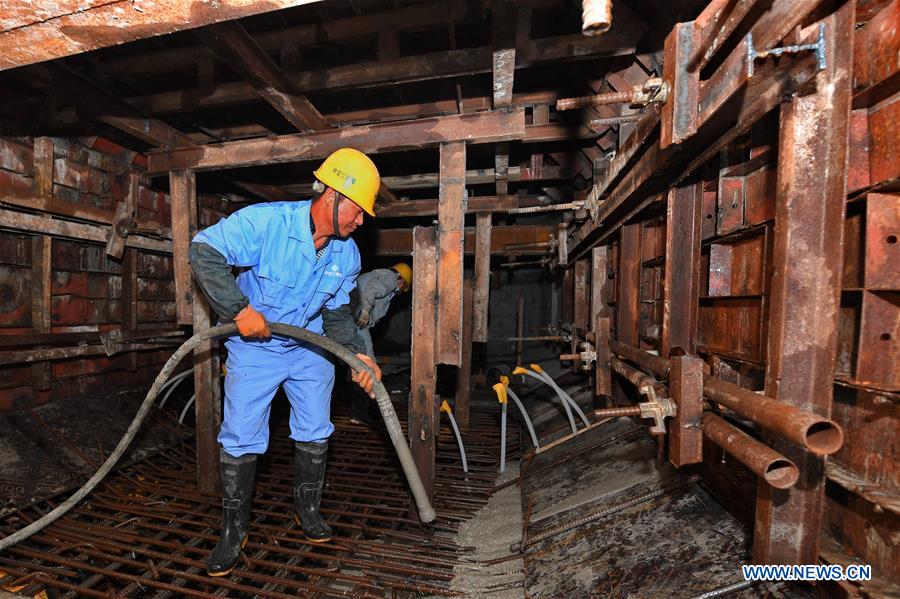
x=254 y=375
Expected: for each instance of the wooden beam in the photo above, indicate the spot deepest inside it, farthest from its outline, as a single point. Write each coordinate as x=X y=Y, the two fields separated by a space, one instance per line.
x=713 y=26
x=681 y=294
x=580 y=307
x=581 y=315
x=599 y=318
x=423 y=409
x=371 y=139
x=686 y=428
x=269 y=193
x=309 y=34
x=397 y=242
x=41 y=251
x=207 y=399
x=33 y=223
x=504 y=16
x=679 y=115
x=71 y=210
x=628 y=302
x=603 y=370
x=464 y=372
x=130 y=289
x=501 y=169
x=67 y=118
x=47 y=35
x=599 y=282
x=504 y=22
x=123 y=217
x=41 y=284
x=481 y=301
x=482 y=204
x=451 y=222
x=473 y=177
x=408 y=69
x=100 y=105
x=183 y=190
x=806 y=289
x=234 y=46
x=43 y=167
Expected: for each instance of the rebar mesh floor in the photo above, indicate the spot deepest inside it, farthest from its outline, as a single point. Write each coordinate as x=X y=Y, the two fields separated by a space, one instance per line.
x=145 y=531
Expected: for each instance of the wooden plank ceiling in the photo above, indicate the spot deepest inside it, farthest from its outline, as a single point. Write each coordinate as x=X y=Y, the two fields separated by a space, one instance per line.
x=277 y=89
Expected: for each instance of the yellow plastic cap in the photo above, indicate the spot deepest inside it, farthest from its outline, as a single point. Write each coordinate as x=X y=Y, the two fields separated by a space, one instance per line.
x=500 y=388
x=445 y=407
x=353 y=174
x=519 y=370
x=536 y=368
x=405 y=272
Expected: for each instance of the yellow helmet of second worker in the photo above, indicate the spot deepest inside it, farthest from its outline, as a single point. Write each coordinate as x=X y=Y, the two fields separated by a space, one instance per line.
x=353 y=174
x=405 y=273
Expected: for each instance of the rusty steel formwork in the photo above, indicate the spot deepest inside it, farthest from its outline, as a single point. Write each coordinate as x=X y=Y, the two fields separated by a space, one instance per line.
x=146 y=531
x=750 y=224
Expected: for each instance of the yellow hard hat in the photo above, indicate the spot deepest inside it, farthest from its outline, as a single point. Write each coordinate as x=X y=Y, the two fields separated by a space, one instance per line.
x=353 y=174
x=405 y=273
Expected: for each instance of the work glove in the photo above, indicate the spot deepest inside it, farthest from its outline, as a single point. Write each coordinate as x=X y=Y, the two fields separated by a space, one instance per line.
x=362 y=321
x=363 y=378
x=251 y=323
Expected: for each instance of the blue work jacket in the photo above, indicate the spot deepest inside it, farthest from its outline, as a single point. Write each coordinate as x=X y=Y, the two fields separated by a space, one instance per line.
x=272 y=245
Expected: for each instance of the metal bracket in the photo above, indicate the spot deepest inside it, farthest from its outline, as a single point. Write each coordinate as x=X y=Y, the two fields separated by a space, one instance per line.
x=652 y=90
x=818 y=47
x=658 y=410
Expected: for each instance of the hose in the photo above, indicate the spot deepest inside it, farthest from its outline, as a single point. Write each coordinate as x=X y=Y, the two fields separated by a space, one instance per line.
x=520 y=370
x=562 y=393
x=187 y=407
x=171 y=384
x=426 y=512
x=521 y=407
x=445 y=407
x=502 y=437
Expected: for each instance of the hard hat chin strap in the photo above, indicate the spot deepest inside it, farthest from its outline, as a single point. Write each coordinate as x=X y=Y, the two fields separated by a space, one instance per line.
x=336 y=228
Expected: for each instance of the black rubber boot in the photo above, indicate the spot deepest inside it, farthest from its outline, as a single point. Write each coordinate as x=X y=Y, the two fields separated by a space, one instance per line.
x=237 y=489
x=309 y=478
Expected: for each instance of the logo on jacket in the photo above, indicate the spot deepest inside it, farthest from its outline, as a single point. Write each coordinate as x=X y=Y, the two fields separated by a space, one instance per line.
x=333 y=271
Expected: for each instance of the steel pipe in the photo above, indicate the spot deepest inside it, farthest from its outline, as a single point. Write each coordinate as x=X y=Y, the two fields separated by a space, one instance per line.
x=637 y=378
x=761 y=459
x=818 y=434
x=652 y=363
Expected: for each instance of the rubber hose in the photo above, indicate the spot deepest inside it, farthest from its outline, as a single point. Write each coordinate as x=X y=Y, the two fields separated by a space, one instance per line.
x=562 y=393
x=521 y=407
x=426 y=512
x=562 y=399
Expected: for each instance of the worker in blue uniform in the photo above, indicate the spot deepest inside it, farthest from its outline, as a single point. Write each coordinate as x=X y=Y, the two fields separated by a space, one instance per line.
x=294 y=258
x=370 y=301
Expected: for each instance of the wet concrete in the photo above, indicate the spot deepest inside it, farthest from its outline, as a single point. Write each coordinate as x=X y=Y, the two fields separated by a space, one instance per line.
x=35 y=461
